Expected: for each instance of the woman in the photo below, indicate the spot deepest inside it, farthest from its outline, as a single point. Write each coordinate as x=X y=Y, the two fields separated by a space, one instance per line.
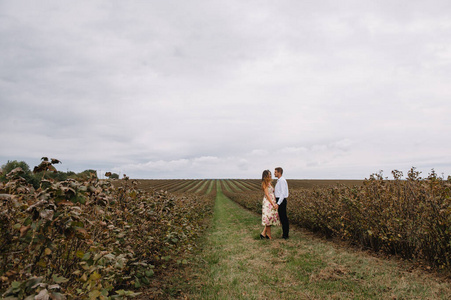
x=269 y=212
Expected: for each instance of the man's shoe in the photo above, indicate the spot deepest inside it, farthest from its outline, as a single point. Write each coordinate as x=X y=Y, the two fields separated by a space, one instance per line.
x=285 y=237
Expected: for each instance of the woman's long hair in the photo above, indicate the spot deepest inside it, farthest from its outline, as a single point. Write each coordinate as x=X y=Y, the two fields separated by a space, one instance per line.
x=266 y=179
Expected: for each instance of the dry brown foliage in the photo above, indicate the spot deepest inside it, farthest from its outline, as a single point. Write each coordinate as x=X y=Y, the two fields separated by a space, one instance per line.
x=90 y=239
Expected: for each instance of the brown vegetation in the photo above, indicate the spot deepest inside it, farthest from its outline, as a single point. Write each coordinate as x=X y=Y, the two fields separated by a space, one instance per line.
x=90 y=239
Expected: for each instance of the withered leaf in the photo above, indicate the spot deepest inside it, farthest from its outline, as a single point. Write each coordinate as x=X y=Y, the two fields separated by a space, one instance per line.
x=23 y=230
x=55 y=161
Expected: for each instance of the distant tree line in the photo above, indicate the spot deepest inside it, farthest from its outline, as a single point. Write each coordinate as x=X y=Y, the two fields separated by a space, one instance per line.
x=34 y=178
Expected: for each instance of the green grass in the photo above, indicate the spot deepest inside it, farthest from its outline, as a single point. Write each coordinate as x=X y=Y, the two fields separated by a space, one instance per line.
x=236 y=264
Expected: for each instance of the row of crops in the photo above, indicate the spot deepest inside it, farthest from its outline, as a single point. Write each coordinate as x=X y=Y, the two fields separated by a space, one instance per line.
x=96 y=239
x=196 y=186
x=179 y=186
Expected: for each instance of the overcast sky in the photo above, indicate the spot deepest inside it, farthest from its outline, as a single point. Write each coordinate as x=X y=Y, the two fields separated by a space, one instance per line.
x=226 y=89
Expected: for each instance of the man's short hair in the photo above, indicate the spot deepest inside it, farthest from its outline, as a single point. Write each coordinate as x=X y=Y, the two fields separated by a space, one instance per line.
x=280 y=170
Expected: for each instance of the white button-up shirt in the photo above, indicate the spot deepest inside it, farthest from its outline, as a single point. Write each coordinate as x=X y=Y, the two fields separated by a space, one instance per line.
x=281 y=189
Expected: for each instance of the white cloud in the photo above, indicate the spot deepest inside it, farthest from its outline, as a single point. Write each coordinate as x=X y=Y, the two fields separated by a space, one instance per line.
x=259 y=152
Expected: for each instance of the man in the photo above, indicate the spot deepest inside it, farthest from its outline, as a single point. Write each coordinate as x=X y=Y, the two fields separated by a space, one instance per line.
x=281 y=193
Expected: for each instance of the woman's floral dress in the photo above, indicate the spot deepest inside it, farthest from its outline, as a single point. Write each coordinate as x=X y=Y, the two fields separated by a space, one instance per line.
x=269 y=213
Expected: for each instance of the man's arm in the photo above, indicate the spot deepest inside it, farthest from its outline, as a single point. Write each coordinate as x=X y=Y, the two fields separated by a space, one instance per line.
x=285 y=189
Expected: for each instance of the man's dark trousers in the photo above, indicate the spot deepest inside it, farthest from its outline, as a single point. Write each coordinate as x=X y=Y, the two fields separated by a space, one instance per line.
x=283 y=217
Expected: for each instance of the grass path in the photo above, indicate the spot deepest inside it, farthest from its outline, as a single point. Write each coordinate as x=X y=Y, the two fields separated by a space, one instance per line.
x=236 y=264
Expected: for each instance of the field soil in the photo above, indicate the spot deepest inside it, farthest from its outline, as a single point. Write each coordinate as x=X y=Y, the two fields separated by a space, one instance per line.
x=234 y=263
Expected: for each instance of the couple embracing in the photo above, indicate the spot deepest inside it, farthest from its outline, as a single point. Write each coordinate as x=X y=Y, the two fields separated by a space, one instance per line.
x=274 y=208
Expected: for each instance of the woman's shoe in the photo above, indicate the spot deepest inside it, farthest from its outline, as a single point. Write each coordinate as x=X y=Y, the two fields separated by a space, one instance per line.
x=267 y=237
x=262 y=237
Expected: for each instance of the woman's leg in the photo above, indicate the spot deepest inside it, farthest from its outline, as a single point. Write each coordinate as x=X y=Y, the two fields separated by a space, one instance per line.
x=268 y=231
